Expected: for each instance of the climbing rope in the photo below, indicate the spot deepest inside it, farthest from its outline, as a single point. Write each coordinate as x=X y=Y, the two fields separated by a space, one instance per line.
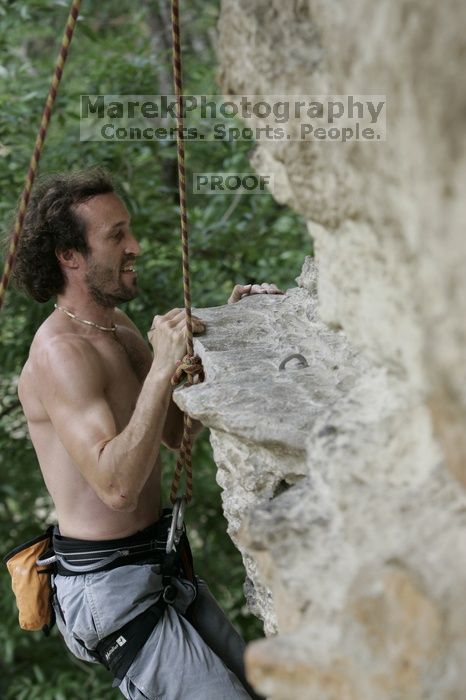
x=191 y=365
x=34 y=162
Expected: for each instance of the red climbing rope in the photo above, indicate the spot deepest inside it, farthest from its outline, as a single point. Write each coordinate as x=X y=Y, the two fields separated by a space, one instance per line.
x=190 y=365
x=34 y=162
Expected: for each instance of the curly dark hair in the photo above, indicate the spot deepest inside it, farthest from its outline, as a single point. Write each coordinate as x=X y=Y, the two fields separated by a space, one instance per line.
x=52 y=226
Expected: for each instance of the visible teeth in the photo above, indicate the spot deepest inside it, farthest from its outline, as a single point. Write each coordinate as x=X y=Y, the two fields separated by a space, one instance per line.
x=130 y=268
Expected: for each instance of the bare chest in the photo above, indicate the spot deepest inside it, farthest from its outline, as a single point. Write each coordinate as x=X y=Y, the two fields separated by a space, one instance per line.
x=127 y=361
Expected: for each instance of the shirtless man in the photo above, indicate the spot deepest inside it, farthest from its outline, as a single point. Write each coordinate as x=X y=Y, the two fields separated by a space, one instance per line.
x=98 y=406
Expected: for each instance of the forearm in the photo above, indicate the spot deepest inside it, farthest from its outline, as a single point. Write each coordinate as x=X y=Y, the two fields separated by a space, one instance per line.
x=128 y=459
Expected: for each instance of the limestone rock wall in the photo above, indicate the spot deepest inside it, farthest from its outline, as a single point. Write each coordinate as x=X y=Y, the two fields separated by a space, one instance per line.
x=344 y=475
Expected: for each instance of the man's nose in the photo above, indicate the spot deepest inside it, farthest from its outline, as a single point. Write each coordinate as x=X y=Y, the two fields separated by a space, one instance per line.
x=132 y=246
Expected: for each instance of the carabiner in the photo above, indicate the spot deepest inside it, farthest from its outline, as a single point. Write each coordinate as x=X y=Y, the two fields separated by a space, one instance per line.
x=176 y=527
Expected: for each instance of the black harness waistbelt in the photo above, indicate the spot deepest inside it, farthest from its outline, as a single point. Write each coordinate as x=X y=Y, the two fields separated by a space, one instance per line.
x=75 y=557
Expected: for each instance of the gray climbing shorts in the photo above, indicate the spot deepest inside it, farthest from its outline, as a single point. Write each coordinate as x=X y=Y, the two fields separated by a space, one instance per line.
x=202 y=660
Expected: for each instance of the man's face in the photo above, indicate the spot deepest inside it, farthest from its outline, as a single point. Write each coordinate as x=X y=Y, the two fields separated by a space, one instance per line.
x=110 y=274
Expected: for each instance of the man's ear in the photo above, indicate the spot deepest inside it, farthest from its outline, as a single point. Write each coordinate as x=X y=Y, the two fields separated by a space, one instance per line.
x=68 y=258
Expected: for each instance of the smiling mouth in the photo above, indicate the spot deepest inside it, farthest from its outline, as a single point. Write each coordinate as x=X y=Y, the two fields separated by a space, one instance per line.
x=129 y=268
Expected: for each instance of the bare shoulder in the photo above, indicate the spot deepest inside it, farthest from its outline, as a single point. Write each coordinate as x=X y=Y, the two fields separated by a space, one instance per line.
x=59 y=356
x=68 y=356
x=58 y=361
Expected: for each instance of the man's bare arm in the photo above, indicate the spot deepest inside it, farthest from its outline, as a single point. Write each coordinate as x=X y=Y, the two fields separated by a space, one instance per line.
x=115 y=464
x=173 y=428
x=172 y=433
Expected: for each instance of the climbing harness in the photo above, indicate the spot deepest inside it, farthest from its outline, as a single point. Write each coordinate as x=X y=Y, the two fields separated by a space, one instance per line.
x=75 y=557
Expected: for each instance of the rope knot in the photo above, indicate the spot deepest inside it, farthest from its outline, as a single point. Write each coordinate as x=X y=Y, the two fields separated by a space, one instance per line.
x=190 y=366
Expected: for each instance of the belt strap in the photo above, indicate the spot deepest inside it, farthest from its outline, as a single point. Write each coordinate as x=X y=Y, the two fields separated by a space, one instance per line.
x=74 y=556
x=118 y=651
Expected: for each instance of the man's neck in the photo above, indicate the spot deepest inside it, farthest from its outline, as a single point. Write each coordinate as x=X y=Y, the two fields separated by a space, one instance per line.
x=87 y=309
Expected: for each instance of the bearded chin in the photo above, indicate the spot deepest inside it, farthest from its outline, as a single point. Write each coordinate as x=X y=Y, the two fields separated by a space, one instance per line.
x=105 y=298
x=110 y=300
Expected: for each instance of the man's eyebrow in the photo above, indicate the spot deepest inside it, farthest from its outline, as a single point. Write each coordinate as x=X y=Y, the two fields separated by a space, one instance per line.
x=118 y=224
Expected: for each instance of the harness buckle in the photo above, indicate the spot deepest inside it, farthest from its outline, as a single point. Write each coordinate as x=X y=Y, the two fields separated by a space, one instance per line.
x=177 y=524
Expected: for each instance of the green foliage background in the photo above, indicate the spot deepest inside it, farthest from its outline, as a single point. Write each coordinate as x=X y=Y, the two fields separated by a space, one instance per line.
x=119 y=48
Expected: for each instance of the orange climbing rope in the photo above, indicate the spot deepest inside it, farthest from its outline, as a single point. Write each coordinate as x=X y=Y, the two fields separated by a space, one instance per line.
x=34 y=162
x=191 y=365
